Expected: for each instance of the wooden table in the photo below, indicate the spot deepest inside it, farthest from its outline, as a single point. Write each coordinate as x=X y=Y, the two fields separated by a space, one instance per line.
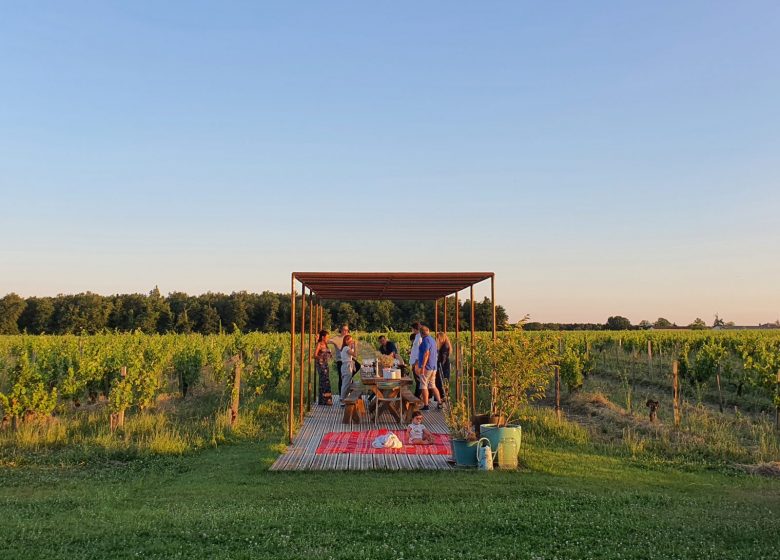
x=383 y=388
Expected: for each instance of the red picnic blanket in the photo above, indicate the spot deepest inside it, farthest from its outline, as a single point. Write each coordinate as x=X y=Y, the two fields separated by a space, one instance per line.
x=360 y=442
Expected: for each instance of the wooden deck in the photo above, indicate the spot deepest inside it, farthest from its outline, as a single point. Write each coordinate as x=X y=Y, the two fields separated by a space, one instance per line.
x=301 y=455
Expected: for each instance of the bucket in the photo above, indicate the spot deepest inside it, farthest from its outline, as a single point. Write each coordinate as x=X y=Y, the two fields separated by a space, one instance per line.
x=506 y=437
x=464 y=452
x=507 y=454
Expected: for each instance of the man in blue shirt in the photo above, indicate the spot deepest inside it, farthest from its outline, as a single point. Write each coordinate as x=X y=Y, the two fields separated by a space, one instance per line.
x=426 y=366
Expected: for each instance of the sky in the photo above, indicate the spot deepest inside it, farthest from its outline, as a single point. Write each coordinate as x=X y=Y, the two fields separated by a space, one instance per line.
x=602 y=158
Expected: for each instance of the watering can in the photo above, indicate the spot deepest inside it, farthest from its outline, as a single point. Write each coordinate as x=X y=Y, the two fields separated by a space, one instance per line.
x=484 y=455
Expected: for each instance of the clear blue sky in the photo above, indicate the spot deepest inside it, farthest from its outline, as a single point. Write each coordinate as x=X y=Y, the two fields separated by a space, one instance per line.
x=601 y=157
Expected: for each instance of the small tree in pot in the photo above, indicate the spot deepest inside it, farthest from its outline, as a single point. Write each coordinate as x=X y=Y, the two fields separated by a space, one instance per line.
x=519 y=369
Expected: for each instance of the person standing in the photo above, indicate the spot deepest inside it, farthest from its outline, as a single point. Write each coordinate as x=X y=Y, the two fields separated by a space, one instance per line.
x=322 y=355
x=443 y=363
x=337 y=342
x=426 y=366
x=415 y=339
x=347 y=366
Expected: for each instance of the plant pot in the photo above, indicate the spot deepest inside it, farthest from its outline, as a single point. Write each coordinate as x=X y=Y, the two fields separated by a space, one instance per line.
x=505 y=440
x=464 y=452
x=480 y=419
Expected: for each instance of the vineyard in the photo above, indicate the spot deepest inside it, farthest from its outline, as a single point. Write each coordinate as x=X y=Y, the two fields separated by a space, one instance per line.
x=181 y=392
x=159 y=446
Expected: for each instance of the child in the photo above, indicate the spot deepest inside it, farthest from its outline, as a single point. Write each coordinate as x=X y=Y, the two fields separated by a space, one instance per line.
x=346 y=355
x=416 y=432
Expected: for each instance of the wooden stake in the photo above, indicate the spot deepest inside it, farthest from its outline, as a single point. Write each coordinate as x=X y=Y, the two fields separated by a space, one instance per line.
x=650 y=357
x=558 y=392
x=236 y=392
x=720 y=393
x=777 y=407
x=117 y=419
x=675 y=393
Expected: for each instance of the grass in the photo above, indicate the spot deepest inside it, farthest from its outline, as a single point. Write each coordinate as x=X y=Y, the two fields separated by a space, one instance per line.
x=178 y=482
x=224 y=503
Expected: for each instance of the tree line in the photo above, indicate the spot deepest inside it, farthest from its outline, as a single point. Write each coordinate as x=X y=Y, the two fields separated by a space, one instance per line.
x=211 y=313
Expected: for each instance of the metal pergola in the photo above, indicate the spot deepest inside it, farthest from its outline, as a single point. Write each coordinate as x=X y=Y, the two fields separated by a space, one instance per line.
x=397 y=286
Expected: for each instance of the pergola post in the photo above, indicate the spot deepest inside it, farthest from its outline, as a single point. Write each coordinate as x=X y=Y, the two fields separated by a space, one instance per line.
x=445 y=315
x=292 y=357
x=303 y=341
x=457 y=348
x=436 y=317
x=312 y=311
x=493 y=302
x=318 y=323
x=473 y=369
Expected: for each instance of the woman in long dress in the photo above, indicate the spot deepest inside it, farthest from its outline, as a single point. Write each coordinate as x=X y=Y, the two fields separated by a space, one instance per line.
x=322 y=355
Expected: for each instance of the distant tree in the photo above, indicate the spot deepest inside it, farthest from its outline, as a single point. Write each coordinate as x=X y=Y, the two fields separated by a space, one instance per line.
x=81 y=313
x=11 y=308
x=236 y=314
x=210 y=321
x=662 y=323
x=645 y=324
x=264 y=312
x=618 y=323
x=718 y=322
x=183 y=323
x=378 y=315
x=36 y=317
x=134 y=312
x=347 y=314
x=698 y=324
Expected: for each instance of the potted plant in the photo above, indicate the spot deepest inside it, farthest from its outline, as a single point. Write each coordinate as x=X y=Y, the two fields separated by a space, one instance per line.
x=519 y=371
x=462 y=438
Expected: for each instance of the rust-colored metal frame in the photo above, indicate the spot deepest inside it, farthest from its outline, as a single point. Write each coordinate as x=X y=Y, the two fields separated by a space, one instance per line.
x=398 y=286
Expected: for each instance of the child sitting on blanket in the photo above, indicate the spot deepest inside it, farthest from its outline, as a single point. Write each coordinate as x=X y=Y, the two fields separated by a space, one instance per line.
x=416 y=432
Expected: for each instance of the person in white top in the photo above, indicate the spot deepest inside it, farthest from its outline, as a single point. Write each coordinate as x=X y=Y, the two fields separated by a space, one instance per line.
x=337 y=341
x=414 y=355
x=347 y=369
x=416 y=432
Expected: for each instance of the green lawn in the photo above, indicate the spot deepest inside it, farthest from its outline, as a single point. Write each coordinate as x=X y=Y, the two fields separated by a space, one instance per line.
x=224 y=503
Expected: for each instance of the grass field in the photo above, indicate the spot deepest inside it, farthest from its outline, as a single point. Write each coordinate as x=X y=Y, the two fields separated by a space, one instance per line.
x=224 y=503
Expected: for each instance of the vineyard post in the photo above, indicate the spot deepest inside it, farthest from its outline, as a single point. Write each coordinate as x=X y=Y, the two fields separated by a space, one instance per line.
x=558 y=392
x=303 y=348
x=777 y=402
x=675 y=394
x=720 y=393
x=235 y=394
x=117 y=419
x=292 y=359
x=650 y=357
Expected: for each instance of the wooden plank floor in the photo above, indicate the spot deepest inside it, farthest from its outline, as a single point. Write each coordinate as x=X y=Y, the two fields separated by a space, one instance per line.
x=301 y=455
